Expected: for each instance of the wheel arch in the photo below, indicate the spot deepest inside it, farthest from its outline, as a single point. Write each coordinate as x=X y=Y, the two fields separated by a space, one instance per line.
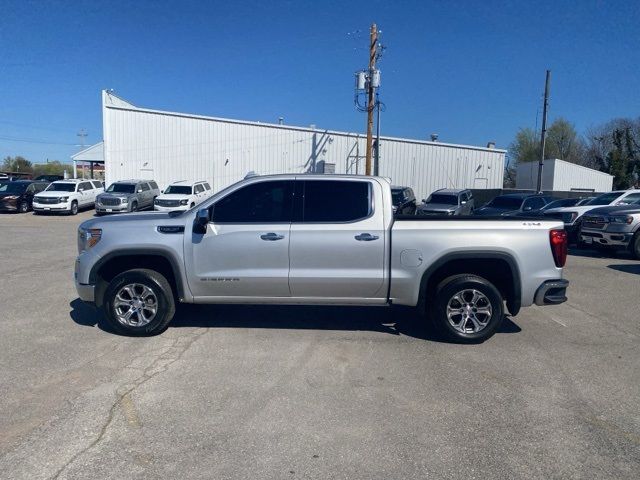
x=160 y=260
x=500 y=268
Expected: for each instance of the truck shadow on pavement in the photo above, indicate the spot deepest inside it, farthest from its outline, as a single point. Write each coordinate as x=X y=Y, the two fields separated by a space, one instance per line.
x=392 y=320
x=626 y=268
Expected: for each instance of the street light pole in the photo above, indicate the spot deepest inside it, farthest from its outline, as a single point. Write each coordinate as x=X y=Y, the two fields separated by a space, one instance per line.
x=543 y=134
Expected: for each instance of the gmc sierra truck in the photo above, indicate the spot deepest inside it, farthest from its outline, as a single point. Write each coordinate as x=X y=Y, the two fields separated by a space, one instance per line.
x=323 y=240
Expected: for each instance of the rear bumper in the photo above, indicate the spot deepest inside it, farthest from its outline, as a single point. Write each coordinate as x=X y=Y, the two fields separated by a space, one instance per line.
x=552 y=292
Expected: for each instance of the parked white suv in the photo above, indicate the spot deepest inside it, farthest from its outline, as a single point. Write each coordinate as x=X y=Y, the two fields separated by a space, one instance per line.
x=182 y=195
x=67 y=196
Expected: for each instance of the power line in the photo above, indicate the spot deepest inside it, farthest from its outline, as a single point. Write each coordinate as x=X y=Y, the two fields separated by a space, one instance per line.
x=35 y=141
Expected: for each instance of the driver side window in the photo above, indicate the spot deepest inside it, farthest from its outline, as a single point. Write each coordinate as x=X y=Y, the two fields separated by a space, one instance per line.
x=264 y=202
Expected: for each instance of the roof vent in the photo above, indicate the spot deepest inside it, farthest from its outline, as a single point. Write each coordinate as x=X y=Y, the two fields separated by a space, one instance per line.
x=491 y=145
x=434 y=137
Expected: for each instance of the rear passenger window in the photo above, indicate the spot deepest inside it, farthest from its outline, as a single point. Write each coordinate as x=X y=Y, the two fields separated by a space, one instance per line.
x=145 y=187
x=336 y=201
x=207 y=186
x=264 y=202
x=97 y=184
x=153 y=185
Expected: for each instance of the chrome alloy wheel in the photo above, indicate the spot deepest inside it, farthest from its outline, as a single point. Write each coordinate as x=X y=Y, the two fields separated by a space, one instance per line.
x=135 y=305
x=469 y=311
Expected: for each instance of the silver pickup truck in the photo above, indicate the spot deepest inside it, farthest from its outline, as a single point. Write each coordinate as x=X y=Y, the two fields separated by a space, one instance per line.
x=318 y=239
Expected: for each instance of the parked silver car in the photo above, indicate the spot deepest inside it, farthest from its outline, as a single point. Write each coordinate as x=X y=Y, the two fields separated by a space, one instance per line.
x=614 y=227
x=448 y=202
x=127 y=196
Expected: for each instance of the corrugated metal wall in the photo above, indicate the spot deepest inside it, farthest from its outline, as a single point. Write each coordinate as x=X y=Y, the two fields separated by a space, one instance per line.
x=559 y=175
x=168 y=147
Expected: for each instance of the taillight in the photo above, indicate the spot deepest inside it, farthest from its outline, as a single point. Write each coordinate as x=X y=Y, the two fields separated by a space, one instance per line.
x=558 y=241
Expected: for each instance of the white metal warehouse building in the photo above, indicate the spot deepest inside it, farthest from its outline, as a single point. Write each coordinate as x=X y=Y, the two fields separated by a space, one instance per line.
x=169 y=146
x=562 y=176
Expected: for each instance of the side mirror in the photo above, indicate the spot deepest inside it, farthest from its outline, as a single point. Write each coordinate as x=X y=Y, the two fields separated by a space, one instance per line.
x=80 y=190
x=139 y=190
x=203 y=217
x=526 y=209
x=463 y=202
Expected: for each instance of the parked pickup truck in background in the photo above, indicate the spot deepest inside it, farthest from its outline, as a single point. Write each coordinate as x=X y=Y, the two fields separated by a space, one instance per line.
x=307 y=239
x=616 y=227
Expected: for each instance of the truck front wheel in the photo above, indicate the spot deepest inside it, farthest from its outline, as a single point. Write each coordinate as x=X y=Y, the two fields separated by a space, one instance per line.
x=468 y=308
x=139 y=303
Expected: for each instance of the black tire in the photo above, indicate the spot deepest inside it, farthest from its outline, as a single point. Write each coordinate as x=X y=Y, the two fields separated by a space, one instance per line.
x=134 y=206
x=23 y=207
x=161 y=289
x=192 y=205
x=74 y=208
x=634 y=246
x=490 y=297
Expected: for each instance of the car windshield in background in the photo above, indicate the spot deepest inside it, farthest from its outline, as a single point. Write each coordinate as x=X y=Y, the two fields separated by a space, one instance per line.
x=512 y=203
x=604 y=199
x=13 y=188
x=444 y=199
x=121 y=188
x=565 y=202
x=396 y=196
x=61 y=187
x=178 y=189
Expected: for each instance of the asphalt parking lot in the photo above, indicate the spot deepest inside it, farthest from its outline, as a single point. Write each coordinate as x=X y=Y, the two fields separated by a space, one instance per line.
x=302 y=392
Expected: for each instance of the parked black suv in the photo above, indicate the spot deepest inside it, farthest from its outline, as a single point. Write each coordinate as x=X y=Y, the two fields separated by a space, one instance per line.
x=17 y=196
x=403 y=201
x=515 y=204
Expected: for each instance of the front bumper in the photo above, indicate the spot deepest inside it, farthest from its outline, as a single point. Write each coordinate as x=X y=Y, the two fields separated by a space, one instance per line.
x=181 y=208
x=52 y=207
x=8 y=206
x=87 y=293
x=112 y=209
x=81 y=273
x=600 y=237
x=552 y=292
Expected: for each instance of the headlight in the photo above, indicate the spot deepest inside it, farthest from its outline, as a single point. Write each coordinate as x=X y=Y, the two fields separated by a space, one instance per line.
x=452 y=212
x=11 y=197
x=155 y=201
x=184 y=202
x=124 y=200
x=62 y=199
x=88 y=238
x=627 y=219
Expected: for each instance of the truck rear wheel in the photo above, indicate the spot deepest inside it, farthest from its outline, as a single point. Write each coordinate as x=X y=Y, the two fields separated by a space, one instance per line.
x=468 y=308
x=139 y=303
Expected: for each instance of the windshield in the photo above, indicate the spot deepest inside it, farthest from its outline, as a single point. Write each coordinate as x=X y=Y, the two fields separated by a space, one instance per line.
x=121 y=188
x=61 y=187
x=396 y=196
x=604 y=199
x=179 y=189
x=565 y=202
x=13 y=188
x=512 y=203
x=444 y=199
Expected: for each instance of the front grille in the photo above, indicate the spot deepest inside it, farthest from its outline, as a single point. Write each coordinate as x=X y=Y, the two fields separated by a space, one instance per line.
x=167 y=203
x=47 y=200
x=594 y=222
x=109 y=201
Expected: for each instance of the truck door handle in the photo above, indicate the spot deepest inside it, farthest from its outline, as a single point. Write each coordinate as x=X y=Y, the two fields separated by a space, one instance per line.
x=271 y=237
x=366 y=237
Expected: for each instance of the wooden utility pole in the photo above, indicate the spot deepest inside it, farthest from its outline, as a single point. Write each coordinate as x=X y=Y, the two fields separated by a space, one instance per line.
x=373 y=50
x=543 y=134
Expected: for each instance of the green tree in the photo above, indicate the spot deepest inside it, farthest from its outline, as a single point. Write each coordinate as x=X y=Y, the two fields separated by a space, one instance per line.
x=562 y=142
x=622 y=160
x=53 y=167
x=17 y=164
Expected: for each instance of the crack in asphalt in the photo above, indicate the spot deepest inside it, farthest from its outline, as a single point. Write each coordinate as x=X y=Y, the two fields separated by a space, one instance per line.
x=158 y=365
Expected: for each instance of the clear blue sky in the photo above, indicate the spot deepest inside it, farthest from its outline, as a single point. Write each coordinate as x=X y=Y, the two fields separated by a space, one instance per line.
x=471 y=71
